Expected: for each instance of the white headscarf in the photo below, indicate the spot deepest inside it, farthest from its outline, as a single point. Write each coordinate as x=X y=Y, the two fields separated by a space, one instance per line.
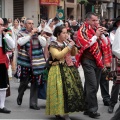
x=50 y=20
x=40 y=28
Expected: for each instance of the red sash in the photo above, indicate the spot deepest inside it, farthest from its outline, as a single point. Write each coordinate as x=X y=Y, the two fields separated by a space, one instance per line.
x=3 y=58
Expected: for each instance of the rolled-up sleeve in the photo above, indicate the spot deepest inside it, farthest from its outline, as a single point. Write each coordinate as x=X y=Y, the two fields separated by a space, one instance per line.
x=23 y=40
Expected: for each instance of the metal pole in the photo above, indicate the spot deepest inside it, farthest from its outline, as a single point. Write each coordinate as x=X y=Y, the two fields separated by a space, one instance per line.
x=64 y=11
x=81 y=12
x=115 y=8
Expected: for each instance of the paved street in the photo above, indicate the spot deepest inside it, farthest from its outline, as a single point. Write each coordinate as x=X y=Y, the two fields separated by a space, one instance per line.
x=23 y=111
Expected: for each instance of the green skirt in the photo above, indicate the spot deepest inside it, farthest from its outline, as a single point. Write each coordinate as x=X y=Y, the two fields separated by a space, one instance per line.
x=64 y=91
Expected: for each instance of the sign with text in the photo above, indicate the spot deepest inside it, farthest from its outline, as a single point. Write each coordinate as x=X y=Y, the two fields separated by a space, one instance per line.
x=49 y=2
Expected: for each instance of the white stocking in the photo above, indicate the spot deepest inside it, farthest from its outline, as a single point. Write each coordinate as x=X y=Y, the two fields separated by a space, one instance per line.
x=2 y=98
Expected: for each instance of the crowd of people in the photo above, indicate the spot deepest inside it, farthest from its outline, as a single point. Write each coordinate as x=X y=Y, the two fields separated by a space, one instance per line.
x=60 y=47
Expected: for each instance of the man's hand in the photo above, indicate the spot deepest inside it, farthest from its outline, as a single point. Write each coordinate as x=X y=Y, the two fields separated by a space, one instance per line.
x=35 y=30
x=99 y=31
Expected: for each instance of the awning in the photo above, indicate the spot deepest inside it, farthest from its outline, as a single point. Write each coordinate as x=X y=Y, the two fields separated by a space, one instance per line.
x=106 y=1
x=49 y=2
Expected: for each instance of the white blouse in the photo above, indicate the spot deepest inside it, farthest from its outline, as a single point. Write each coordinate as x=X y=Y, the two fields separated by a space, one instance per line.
x=10 y=42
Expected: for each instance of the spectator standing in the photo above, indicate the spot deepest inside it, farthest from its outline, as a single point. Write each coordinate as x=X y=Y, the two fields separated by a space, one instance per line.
x=10 y=22
x=42 y=26
x=15 y=29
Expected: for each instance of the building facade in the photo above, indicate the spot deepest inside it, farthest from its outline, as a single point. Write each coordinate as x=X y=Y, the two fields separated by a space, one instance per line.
x=107 y=9
x=35 y=10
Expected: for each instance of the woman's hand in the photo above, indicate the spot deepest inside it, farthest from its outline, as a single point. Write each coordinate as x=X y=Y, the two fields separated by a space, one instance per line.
x=71 y=44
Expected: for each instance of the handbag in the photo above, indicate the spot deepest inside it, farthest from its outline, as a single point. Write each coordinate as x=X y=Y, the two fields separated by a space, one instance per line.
x=113 y=69
x=118 y=72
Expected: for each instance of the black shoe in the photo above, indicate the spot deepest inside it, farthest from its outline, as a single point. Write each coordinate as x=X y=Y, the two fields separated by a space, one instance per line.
x=94 y=114
x=110 y=109
x=35 y=107
x=106 y=103
x=19 y=101
x=4 y=110
x=86 y=113
x=58 y=117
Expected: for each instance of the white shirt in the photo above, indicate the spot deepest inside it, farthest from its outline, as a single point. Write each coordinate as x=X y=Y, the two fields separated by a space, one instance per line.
x=10 y=42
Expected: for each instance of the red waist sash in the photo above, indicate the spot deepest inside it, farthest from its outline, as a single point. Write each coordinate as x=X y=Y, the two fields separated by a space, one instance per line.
x=3 y=58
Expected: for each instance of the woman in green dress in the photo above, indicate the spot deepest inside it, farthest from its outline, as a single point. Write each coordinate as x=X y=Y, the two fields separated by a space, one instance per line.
x=64 y=86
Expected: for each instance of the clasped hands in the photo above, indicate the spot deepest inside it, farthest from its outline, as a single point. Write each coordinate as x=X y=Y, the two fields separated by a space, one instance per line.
x=100 y=31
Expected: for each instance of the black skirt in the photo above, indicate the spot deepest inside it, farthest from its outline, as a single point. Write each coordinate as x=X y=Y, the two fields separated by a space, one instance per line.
x=4 y=80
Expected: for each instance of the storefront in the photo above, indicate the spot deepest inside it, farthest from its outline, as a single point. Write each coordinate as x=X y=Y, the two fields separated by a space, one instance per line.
x=48 y=8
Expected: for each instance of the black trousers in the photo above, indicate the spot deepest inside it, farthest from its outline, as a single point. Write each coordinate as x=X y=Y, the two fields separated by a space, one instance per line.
x=33 y=90
x=104 y=86
x=92 y=79
x=114 y=94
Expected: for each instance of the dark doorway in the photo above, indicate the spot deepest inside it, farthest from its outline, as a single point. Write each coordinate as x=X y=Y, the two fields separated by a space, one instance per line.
x=43 y=12
x=18 y=8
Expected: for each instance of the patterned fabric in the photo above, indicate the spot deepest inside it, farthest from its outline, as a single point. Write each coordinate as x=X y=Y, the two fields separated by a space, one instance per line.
x=64 y=93
x=23 y=72
x=55 y=98
x=64 y=88
x=85 y=33
x=31 y=54
x=118 y=72
x=73 y=90
x=112 y=71
x=68 y=59
x=4 y=44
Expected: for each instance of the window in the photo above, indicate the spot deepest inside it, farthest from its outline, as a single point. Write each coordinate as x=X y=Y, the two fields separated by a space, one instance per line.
x=18 y=8
x=71 y=1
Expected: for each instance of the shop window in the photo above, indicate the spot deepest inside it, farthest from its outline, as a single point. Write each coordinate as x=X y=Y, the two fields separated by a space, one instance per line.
x=71 y=1
x=43 y=12
x=18 y=8
x=70 y=11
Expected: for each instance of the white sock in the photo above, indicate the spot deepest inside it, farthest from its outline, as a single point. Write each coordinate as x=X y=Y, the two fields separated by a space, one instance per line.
x=2 y=98
x=66 y=117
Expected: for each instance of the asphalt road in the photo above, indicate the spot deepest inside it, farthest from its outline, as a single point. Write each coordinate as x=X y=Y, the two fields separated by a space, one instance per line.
x=23 y=111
